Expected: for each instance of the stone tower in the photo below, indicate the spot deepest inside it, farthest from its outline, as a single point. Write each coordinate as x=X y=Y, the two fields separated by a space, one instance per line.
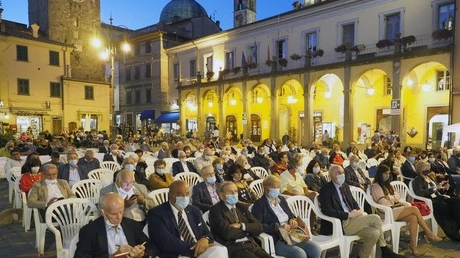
x=244 y=12
x=73 y=22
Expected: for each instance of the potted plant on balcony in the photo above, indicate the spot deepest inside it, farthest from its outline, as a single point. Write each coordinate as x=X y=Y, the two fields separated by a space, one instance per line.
x=442 y=34
x=358 y=48
x=407 y=41
x=317 y=53
x=236 y=69
x=341 y=49
x=209 y=75
x=282 y=62
x=384 y=43
x=295 y=57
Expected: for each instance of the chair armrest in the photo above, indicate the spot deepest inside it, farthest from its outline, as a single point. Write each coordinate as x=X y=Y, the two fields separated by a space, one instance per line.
x=421 y=198
x=267 y=243
x=337 y=229
x=388 y=210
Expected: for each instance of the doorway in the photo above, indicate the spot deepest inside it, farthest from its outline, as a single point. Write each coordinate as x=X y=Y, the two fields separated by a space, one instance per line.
x=231 y=127
x=256 y=131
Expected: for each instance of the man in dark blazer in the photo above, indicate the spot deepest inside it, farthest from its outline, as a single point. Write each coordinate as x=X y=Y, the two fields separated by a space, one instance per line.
x=105 y=147
x=113 y=155
x=206 y=193
x=234 y=226
x=88 y=162
x=192 y=238
x=337 y=201
x=111 y=233
x=355 y=176
x=66 y=171
x=182 y=165
x=408 y=168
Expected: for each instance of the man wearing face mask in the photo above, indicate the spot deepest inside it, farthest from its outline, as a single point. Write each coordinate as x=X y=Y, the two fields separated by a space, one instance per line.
x=182 y=165
x=14 y=161
x=135 y=196
x=337 y=201
x=260 y=159
x=292 y=182
x=105 y=148
x=71 y=172
x=205 y=160
x=355 y=176
x=234 y=226
x=88 y=162
x=183 y=230
x=454 y=161
x=49 y=190
x=273 y=211
x=6 y=151
x=161 y=178
x=408 y=167
x=205 y=194
x=112 y=234
x=114 y=154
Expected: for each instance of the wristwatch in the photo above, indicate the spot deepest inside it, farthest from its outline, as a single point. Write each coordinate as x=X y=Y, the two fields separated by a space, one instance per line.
x=210 y=241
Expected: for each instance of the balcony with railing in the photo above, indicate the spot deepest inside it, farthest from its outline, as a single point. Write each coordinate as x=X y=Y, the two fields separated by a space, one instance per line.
x=370 y=52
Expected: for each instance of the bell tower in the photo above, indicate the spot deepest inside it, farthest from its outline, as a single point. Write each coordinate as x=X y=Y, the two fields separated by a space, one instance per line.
x=244 y=12
x=73 y=22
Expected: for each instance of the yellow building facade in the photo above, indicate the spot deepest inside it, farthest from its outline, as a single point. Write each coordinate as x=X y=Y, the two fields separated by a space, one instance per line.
x=349 y=67
x=37 y=92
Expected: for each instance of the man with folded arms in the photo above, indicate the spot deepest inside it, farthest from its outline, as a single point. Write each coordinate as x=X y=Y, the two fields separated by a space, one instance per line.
x=177 y=228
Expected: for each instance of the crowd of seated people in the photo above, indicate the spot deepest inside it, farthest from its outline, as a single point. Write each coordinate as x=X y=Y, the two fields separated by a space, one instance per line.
x=218 y=165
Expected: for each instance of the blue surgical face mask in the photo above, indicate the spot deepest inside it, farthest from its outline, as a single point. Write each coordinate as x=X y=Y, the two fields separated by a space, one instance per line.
x=274 y=192
x=244 y=153
x=411 y=159
x=182 y=202
x=355 y=165
x=231 y=199
x=211 y=180
x=160 y=171
x=220 y=166
x=129 y=167
x=73 y=162
x=431 y=160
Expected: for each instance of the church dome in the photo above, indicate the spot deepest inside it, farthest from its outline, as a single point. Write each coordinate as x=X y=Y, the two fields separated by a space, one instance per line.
x=178 y=10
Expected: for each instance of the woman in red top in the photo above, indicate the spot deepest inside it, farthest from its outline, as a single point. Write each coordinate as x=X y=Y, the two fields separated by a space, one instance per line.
x=29 y=178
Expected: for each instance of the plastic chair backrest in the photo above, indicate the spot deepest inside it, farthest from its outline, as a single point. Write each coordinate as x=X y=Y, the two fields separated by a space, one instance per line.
x=206 y=218
x=103 y=174
x=372 y=162
x=149 y=170
x=260 y=172
x=326 y=175
x=88 y=189
x=159 y=196
x=401 y=188
x=112 y=165
x=362 y=164
x=257 y=187
x=363 y=156
x=359 y=195
x=301 y=206
x=191 y=159
x=66 y=217
x=191 y=178
x=169 y=162
x=346 y=163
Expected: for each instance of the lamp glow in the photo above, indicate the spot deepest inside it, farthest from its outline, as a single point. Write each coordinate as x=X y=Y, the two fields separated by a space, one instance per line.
x=105 y=54
x=210 y=104
x=7 y=116
x=370 y=91
x=126 y=47
x=260 y=100
x=410 y=82
x=426 y=87
x=327 y=94
x=233 y=102
x=96 y=42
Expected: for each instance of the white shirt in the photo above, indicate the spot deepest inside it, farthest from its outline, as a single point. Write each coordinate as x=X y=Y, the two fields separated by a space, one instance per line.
x=53 y=191
x=73 y=176
x=294 y=185
x=184 y=216
x=342 y=202
x=134 y=211
x=283 y=218
x=115 y=238
x=184 y=166
x=213 y=193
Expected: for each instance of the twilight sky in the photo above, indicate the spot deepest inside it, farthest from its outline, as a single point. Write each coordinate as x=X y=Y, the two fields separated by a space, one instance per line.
x=136 y=14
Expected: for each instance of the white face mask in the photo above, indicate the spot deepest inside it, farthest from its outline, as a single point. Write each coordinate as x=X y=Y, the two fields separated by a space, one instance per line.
x=340 y=179
x=316 y=170
x=34 y=169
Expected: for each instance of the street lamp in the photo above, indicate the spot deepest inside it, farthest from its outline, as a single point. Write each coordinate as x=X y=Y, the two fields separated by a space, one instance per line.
x=110 y=51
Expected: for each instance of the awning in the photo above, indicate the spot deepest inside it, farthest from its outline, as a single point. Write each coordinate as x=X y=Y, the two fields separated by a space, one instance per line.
x=167 y=118
x=148 y=114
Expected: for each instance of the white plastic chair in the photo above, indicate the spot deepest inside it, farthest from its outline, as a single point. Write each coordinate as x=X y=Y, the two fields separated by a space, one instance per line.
x=73 y=246
x=65 y=218
x=389 y=220
x=26 y=213
x=169 y=162
x=191 y=159
x=257 y=187
x=103 y=174
x=148 y=171
x=2 y=167
x=112 y=165
x=363 y=156
x=372 y=162
x=40 y=231
x=387 y=224
x=302 y=207
x=434 y=223
x=88 y=189
x=17 y=203
x=11 y=178
x=346 y=163
x=159 y=196
x=260 y=172
x=362 y=164
x=191 y=178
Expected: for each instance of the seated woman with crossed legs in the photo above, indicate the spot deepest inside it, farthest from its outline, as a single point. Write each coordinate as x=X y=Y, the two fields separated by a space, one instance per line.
x=383 y=193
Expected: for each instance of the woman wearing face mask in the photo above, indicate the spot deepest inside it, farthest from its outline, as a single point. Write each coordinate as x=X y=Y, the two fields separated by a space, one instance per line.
x=445 y=208
x=273 y=211
x=161 y=178
x=383 y=193
x=218 y=165
x=29 y=178
x=245 y=194
x=314 y=178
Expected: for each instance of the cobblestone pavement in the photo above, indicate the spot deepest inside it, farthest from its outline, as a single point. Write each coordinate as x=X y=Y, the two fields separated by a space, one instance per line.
x=14 y=242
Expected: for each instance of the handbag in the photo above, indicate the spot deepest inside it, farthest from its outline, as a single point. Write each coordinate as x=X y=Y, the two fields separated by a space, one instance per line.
x=295 y=235
x=422 y=207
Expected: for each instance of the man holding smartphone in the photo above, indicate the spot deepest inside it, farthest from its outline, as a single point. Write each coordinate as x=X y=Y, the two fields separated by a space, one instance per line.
x=135 y=196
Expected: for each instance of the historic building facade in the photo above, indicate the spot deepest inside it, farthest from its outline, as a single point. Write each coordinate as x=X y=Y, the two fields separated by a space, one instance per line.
x=349 y=67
